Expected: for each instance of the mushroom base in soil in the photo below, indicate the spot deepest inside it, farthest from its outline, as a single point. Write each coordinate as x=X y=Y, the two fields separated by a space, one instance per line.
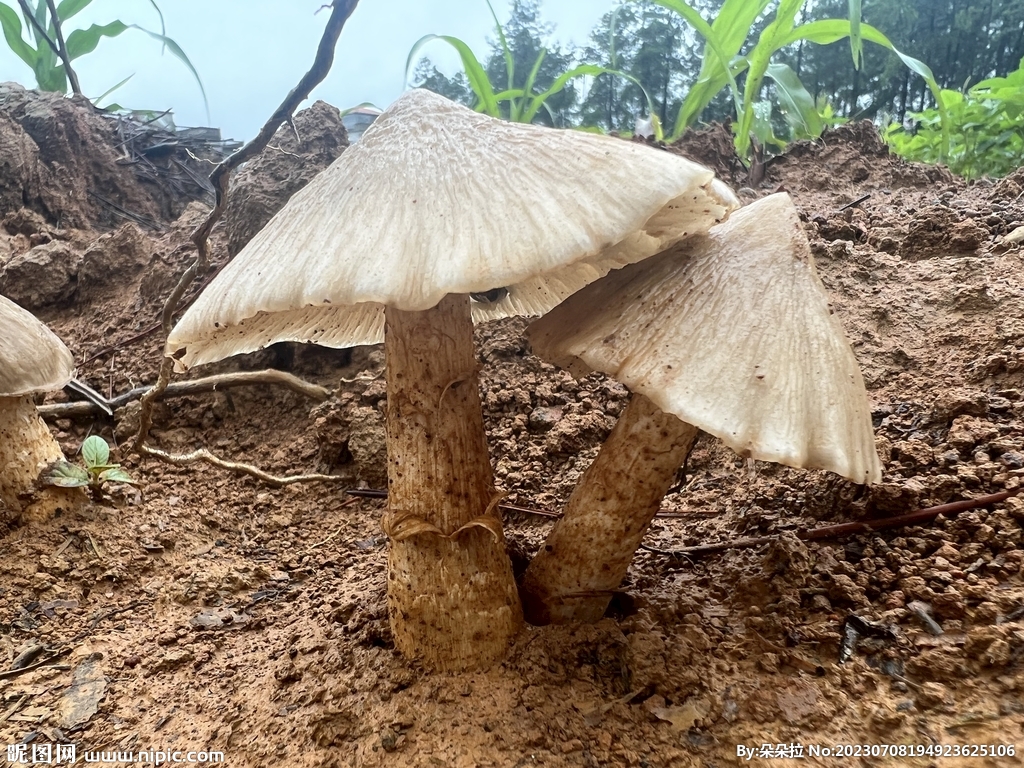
x=587 y=554
x=732 y=334
x=26 y=449
x=451 y=595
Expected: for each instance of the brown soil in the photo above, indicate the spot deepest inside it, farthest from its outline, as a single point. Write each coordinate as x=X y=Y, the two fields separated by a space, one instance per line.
x=207 y=611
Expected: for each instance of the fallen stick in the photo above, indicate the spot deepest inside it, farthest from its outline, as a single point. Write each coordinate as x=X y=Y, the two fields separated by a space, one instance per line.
x=195 y=386
x=849 y=529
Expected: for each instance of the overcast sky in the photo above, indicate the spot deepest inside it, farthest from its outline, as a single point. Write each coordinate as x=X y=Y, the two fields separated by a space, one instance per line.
x=250 y=53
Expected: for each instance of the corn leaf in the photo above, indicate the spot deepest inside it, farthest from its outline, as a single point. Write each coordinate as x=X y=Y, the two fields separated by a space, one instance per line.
x=721 y=47
x=798 y=105
x=829 y=31
x=69 y=8
x=11 y=24
x=506 y=52
x=83 y=41
x=856 y=40
x=179 y=54
x=475 y=72
x=759 y=58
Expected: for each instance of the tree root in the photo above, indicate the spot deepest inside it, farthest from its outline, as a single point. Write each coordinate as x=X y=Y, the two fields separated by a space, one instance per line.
x=195 y=386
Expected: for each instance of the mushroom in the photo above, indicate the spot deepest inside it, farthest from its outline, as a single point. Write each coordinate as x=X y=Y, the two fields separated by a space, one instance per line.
x=32 y=359
x=730 y=333
x=437 y=217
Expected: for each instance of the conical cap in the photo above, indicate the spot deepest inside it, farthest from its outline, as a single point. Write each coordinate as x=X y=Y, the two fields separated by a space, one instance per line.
x=437 y=199
x=732 y=333
x=32 y=358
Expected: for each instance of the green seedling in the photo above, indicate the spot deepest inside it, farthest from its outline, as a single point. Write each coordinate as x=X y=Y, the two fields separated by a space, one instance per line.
x=522 y=104
x=97 y=472
x=37 y=37
x=986 y=127
x=731 y=32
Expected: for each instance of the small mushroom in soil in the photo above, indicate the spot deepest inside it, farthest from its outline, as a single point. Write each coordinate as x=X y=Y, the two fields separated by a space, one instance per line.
x=440 y=216
x=730 y=333
x=32 y=360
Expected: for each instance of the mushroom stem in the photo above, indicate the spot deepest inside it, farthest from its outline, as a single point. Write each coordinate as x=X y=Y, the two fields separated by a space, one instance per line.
x=587 y=554
x=451 y=595
x=26 y=448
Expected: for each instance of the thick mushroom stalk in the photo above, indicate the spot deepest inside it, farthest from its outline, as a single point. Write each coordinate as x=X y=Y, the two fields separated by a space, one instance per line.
x=26 y=449
x=586 y=556
x=732 y=334
x=32 y=359
x=451 y=595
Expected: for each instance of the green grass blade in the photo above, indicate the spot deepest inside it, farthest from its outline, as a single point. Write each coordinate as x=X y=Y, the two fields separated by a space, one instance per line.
x=475 y=72
x=110 y=90
x=856 y=39
x=801 y=111
x=179 y=54
x=528 y=86
x=506 y=52
x=12 y=34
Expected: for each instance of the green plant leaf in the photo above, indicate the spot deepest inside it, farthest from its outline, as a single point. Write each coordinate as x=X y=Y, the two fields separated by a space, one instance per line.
x=179 y=54
x=66 y=475
x=800 y=109
x=11 y=24
x=83 y=41
x=116 y=475
x=95 y=451
x=717 y=67
x=759 y=58
x=68 y=8
x=475 y=72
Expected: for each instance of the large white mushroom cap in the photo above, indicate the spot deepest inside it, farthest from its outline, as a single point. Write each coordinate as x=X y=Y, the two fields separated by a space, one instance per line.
x=438 y=199
x=32 y=358
x=730 y=332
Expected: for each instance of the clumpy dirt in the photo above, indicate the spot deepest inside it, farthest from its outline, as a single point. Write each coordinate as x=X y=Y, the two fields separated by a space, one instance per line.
x=206 y=611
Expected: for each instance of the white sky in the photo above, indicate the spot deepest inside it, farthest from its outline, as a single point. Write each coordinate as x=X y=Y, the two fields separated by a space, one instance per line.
x=250 y=53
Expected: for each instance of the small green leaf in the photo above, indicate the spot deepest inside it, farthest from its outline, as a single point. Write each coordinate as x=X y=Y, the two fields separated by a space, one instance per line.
x=66 y=475
x=95 y=451
x=117 y=475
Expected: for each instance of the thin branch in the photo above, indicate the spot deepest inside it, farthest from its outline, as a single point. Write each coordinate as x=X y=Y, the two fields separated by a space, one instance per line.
x=849 y=529
x=62 y=50
x=193 y=387
x=220 y=179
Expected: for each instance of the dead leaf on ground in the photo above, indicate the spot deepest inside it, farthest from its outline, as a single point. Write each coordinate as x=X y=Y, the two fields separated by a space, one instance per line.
x=82 y=700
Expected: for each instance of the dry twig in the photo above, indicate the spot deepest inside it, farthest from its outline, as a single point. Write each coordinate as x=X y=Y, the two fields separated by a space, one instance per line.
x=849 y=529
x=195 y=386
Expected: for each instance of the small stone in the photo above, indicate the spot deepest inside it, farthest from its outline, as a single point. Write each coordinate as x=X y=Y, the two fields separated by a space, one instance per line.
x=932 y=695
x=544 y=418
